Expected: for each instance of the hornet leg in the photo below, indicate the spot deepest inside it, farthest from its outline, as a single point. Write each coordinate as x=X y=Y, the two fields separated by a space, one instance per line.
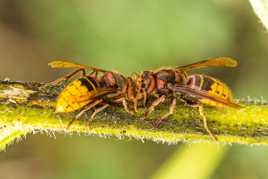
x=83 y=111
x=201 y=112
x=171 y=111
x=99 y=110
x=155 y=104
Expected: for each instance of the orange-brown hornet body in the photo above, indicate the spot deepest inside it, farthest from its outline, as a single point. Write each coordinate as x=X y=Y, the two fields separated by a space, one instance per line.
x=110 y=88
x=91 y=90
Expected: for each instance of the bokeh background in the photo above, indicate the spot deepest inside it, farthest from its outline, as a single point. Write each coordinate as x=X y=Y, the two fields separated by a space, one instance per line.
x=128 y=36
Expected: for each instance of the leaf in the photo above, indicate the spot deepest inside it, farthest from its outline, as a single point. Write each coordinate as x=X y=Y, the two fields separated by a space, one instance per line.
x=260 y=7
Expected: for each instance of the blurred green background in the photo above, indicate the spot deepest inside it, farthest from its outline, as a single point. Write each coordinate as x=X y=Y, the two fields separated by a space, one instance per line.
x=128 y=36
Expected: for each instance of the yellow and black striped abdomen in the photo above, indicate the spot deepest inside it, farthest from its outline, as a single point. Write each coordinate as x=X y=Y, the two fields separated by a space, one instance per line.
x=216 y=88
x=211 y=87
x=76 y=95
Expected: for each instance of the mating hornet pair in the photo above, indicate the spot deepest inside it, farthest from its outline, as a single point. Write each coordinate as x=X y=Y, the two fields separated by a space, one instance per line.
x=92 y=90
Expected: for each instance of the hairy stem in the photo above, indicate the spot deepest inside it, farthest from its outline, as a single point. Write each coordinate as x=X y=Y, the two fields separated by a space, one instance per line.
x=10 y=134
x=29 y=107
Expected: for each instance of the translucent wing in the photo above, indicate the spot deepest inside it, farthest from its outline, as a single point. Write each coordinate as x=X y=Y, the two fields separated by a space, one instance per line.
x=69 y=102
x=95 y=94
x=214 y=62
x=68 y=64
x=204 y=95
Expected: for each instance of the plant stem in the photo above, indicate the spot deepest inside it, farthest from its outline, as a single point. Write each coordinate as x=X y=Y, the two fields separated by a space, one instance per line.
x=30 y=107
x=9 y=135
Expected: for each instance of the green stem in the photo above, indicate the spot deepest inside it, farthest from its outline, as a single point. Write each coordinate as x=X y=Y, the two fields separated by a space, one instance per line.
x=30 y=107
x=10 y=134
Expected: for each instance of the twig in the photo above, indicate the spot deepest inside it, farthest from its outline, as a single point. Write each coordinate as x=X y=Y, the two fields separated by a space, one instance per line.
x=29 y=107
